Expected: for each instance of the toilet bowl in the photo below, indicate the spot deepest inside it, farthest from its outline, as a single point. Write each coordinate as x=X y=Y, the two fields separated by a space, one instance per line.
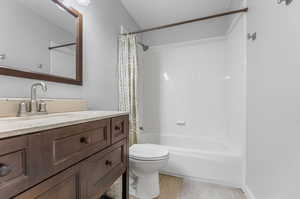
x=145 y=161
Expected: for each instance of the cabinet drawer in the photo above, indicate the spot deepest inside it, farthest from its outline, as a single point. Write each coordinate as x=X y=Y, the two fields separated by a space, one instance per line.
x=65 y=185
x=119 y=128
x=63 y=147
x=14 y=166
x=106 y=167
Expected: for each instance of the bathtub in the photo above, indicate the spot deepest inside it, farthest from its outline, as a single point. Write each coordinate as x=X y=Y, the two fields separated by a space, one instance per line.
x=200 y=158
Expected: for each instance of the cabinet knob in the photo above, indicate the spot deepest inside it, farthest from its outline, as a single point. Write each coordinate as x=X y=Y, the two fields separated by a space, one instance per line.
x=108 y=163
x=84 y=140
x=117 y=128
x=4 y=170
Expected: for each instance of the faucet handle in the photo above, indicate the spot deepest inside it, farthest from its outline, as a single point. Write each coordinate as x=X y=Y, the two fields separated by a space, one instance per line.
x=22 y=109
x=43 y=107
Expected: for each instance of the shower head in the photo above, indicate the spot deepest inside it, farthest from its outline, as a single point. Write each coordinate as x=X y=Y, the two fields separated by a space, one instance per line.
x=145 y=47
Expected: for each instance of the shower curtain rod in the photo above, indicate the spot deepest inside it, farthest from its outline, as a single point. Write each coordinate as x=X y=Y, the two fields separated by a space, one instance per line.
x=61 y=46
x=188 y=21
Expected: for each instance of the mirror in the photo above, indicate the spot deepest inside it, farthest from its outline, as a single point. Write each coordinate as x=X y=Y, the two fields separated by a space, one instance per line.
x=41 y=39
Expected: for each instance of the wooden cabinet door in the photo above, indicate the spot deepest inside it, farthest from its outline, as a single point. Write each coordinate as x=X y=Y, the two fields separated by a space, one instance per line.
x=103 y=169
x=66 y=185
x=15 y=166
x=119 y=128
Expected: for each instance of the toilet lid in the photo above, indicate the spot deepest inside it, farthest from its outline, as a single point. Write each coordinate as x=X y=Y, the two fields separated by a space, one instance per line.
x=148 y=152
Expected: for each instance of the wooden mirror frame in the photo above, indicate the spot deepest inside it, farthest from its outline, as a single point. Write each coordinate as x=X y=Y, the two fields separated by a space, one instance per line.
x=53 y=78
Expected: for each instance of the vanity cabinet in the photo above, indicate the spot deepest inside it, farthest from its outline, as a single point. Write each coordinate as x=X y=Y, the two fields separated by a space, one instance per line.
x=65 y=185
x=74 y=162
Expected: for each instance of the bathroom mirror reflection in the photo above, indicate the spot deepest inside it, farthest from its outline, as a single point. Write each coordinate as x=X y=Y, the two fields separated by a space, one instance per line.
x=40 y=40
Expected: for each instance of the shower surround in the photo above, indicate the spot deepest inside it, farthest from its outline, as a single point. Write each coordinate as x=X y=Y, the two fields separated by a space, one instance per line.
x=194 y=104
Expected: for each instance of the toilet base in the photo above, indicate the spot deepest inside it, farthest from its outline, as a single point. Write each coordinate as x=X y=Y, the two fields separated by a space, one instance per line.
x=145 y=186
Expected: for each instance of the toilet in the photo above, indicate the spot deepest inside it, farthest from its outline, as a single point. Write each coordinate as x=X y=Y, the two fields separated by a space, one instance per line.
x=145 y=161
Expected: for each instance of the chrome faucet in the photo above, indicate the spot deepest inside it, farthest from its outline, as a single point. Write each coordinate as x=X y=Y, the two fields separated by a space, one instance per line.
x=35 y=106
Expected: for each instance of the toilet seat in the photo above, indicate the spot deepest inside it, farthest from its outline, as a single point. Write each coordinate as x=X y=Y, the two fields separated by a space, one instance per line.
x=148 y=152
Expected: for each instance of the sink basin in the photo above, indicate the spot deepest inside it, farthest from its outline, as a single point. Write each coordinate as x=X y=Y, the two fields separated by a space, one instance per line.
x=36 y=117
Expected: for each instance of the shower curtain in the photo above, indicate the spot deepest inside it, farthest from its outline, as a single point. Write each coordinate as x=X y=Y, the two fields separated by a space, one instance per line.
x=128 y=79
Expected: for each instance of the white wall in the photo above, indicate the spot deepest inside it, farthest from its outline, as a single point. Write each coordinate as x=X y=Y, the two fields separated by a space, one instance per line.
x=194 y=31
x=235 y=84
x=102 y=21
x=274 y=100
x=188 y=32
x=184 y=82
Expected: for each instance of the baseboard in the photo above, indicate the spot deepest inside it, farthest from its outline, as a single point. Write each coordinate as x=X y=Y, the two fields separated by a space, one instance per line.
x=217 y=182
x=249 y=194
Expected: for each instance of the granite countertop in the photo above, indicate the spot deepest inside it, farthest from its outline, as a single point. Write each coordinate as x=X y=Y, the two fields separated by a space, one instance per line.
x=16 y=126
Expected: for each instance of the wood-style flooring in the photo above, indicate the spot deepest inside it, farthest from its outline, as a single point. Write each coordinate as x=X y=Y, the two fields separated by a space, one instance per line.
x=178 y=188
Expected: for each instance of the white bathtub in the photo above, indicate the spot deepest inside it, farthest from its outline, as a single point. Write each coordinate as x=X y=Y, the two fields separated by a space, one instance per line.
x=200 y=158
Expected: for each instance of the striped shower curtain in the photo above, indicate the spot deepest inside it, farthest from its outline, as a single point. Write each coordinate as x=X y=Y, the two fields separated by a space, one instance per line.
x=128 y=79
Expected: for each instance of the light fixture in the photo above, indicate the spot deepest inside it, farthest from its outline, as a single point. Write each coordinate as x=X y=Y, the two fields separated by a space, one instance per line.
x=83 y=2
x=287 y=2
x=69 y=3
x=66 y=3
